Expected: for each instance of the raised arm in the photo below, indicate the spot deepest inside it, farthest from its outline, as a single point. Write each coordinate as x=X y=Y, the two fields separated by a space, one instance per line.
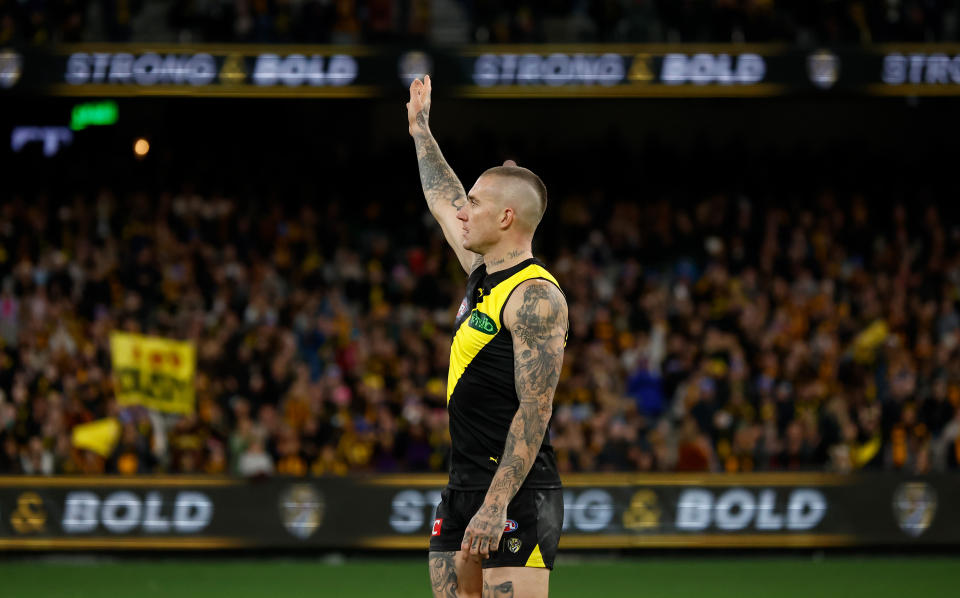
x=536 y=316
x=441 y=187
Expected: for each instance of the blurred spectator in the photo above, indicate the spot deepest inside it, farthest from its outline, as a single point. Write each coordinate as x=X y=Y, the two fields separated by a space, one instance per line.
x=805 y=22
x=255 y=461
x=132 y=454
x=35 y=459
x=711 y=330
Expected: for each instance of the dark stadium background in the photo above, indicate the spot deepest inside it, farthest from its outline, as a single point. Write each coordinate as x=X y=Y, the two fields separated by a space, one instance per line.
x=356 y=154
x=352 y=161
x=898 y=147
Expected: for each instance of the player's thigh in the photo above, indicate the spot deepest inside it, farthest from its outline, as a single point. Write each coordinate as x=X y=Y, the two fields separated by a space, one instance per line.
x=453 y=574
x=516 y=582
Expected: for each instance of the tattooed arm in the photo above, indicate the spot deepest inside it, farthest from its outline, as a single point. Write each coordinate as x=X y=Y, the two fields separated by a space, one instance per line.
x=441 y=187
x=536 y=316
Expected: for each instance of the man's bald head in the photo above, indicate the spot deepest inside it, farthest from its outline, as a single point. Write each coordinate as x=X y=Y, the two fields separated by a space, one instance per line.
x=521 y=190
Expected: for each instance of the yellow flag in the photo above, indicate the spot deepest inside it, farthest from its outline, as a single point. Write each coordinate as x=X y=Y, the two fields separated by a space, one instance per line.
x=98 y=436
x=866 y=342
x=154 y=372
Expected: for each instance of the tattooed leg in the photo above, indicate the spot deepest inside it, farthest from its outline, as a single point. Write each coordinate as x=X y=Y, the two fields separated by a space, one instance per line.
x=516 y=582
x=452 y=575
x=500 y=590
x=443 y=575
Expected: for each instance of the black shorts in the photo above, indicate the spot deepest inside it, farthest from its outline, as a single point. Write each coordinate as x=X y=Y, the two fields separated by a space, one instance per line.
x=534 y=519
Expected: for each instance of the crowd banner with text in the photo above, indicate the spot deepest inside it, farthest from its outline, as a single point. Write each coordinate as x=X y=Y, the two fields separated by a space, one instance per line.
x=774 y=510
x=155 y=372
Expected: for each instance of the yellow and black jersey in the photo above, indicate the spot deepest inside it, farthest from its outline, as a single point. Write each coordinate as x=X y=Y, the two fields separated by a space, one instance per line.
x=481 y=396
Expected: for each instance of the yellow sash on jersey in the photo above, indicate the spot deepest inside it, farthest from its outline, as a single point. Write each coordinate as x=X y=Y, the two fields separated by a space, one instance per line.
x=483 y=323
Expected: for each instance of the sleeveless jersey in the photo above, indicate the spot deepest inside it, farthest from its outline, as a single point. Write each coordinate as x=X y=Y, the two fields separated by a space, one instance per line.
x=481 y=396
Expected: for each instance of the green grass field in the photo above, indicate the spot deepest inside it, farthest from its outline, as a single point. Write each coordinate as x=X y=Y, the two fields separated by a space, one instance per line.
x=719 y=577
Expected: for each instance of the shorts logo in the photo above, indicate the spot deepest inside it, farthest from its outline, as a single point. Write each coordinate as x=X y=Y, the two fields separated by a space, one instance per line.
x=511 y=526
x=513 y=545
x=437 y=523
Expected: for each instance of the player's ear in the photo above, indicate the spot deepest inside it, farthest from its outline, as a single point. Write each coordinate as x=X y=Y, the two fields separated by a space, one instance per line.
x=506 y=218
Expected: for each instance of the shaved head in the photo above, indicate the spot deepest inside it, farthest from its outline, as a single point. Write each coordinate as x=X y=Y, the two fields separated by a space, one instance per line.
x=520 y=189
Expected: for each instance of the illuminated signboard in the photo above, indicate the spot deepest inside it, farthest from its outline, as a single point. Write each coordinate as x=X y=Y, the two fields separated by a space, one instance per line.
x=931 y=69
x=214 y=71
x=151 y=69
x=555 y=69
x=631 y=71
x=11 y=67
x=701 y=69
x=296 y=70
x=52 y=138
x=146 y=69
x=93 y=113
x=601 y=511
x=495 y=71
x=613 y=69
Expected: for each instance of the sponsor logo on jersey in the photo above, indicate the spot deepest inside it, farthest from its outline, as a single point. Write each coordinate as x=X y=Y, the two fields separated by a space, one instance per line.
x=482 y=322
x=463 y=308
x=437 y=524
x=511 y=526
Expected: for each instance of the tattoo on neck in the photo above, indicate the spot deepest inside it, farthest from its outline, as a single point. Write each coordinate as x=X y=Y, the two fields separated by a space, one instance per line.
x=512 y=255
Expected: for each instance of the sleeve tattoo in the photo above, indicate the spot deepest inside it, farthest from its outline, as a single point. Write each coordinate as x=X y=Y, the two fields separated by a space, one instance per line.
x=440 y=184
x=539 y=332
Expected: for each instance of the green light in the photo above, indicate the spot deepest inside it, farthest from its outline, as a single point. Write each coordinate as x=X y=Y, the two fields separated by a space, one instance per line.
x=93 y=113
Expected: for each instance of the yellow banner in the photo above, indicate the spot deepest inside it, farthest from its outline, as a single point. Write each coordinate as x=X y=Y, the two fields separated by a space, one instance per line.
x=99 y=436
x=154 y=372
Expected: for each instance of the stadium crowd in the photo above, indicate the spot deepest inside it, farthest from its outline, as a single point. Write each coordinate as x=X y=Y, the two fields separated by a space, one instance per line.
x=720 y=334
x=37 y=22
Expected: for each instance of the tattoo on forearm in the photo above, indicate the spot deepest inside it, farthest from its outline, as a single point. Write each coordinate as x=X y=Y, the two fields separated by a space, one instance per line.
x=440 y=184
x=443 y=575
x=520 y=451
x=422 y=117
x=538 y=356
x=501 y=590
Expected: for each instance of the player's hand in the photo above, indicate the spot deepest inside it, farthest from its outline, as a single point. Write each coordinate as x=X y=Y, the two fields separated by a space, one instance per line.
x=418 y=108
x=484 y=531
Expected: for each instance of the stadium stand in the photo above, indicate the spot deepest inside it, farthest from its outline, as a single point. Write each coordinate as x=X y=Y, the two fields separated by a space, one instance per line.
x=36 y=22
x=713 y=329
